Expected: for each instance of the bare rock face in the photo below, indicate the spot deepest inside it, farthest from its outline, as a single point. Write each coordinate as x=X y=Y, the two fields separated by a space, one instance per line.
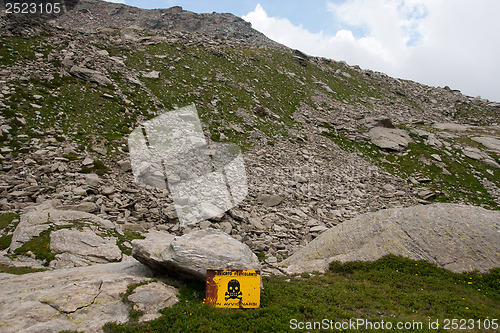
x=456 y=237
x=76 y=238
x=389 y=138
x=42 y=217
x=90 y=75
x=192 y=254
x=95 y=14
x=83 y=298
x=83 y=246
x=152 y=297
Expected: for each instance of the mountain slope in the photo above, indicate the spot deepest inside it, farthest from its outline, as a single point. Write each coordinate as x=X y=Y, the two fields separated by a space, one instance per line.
x=69 y=98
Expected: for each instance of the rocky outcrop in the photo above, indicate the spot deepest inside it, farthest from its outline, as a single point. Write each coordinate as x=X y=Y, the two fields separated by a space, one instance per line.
x=90 y=75
x=75 y=247
x=83 y=298
x=192 y=254
x=45 y=216
x=94 y=15
x=456 y=237
x=389 y=138
x=74 y=238
x=152 y=297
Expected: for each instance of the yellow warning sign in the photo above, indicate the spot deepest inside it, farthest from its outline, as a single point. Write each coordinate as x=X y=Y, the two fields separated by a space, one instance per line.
x=233 y=288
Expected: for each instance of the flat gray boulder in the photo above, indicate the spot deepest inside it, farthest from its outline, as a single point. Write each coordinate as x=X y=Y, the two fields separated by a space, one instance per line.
x=488 y=142
x=90 y=75
x=81 y=248
x=152 y=297
x=192 y=254
x=76 y=299
x=45 y=216
x=457 y=237
x=389 y=138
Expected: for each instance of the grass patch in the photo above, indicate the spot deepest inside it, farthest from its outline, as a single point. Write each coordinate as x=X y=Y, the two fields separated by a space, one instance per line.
x=8 y=222
x=392 y=289
x=6 y=219
x=5 y=241
x=134 y=314
x=19 y=270
x=127 y=236
x=98 y=167
x=462 y=186
x=39 y=246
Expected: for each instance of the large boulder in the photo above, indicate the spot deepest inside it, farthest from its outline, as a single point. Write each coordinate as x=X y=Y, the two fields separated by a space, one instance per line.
x=45 y=216
x=83 y=298
x=90 y=75
x=456 y=237
x=389 y=138
x=75 y=238
x=192 y=254
x=151 y=298
x=81 y=248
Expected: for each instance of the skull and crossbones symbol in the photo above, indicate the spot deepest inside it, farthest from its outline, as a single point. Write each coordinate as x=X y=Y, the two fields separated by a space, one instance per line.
x=233 y=290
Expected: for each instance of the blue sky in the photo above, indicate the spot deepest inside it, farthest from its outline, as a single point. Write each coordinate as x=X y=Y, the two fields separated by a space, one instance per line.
x=435 y=42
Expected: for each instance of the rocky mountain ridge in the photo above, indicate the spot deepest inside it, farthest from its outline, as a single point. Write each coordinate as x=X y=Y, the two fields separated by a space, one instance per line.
x=323 y=143
x=308 y=126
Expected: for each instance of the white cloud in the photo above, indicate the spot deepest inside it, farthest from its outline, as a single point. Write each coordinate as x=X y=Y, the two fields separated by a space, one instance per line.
x=116 y=1
x=436 y=42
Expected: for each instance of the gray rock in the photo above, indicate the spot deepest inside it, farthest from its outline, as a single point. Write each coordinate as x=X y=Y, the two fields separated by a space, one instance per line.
x=270 y=200
x=151 y=75
x=83 y=298
x=491 y=162
x=456 y=237
x=389 y=138
x=426 y=194
x=85 y=206
x=479 y=155
x=92 y=180
x=87 y=161
x=256 y=223
x=85 y=245
x=90 y=75
x=318 y=228
x=192 y=254
x=488 y=142
x=125 y=165
x=378 y=122
x=436 y=157
x=152 y=297
x=44 y=216
x=474 y=153
x=451 y=127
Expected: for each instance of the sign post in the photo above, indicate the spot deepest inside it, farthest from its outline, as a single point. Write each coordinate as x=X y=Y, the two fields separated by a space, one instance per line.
x=233 y=288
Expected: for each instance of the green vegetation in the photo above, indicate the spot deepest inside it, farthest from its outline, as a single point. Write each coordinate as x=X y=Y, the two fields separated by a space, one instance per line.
x=8 y=223
x=134 y=314
x=98 y=167
x=127 y=237
x=19 y=270
x=6 y=219
x=476 y=115
x=391 y=289
x=462 y=185
x=39 y=246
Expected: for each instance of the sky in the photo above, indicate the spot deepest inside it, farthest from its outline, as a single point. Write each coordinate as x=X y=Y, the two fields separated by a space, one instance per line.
x=453 y=43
